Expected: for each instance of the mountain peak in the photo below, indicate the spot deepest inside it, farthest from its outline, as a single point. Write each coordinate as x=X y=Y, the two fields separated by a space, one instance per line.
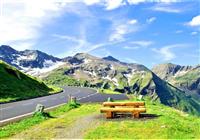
x=168 y=70
x=7 y=49
x=166 y=65
x=29 y=60
x=110 y=58
x=82 y=56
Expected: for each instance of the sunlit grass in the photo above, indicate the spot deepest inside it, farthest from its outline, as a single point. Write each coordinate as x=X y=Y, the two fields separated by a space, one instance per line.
x=169 y=123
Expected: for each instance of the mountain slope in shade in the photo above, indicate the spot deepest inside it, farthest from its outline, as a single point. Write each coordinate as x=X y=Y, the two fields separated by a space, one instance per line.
x=14 y=85
x=87 y=70
x=32 y=62
x=185 y=77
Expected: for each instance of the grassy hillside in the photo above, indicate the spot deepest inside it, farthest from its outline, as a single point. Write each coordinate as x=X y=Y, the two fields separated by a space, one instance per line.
x=86 y=122
x=58 y=77
x=14 y=85
x=143 y=82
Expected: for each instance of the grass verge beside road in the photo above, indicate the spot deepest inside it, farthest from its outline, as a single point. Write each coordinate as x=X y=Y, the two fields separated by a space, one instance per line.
x=15 y=128
x=161 y=122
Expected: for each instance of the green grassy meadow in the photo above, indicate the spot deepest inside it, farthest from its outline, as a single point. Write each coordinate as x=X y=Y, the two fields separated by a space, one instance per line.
x=169 y=124
x=164 y=123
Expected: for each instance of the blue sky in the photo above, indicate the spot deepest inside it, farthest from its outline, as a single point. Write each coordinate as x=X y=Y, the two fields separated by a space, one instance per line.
x=135 y=31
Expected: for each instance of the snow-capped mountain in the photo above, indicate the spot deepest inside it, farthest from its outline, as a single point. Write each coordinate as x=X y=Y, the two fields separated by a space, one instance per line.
x=102 y=73
x=32 y=62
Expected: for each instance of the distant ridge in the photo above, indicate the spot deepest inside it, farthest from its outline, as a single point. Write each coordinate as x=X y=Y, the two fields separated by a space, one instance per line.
x=110 y=58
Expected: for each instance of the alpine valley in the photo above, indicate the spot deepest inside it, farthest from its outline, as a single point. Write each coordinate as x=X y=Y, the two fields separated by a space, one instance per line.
x=172 y=85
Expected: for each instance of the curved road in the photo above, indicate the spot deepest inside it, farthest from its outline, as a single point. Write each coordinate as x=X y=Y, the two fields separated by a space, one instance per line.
x=11 y=111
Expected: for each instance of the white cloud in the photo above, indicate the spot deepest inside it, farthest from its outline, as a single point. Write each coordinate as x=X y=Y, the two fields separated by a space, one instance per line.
x=100 y=45
x=131 y=47
x=142 y=43
x=70 y=38
x=168 y=1
x=178 y=31
x=195 y=21
x=166 y=7
x=118 y=33
x=150 y=20
x=136 y=1
x=158 y=1
x=91 y=2
x=82 y=45
x=21 y=21
x=113 y=4
x=22 y=45
x=134 y=45
x=121 y=29
x=166 y=51
x=108 y=4
x=133 y=21
x=194 y=33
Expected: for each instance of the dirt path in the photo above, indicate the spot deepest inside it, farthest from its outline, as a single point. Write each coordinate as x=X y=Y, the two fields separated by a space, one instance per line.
x=79 y=128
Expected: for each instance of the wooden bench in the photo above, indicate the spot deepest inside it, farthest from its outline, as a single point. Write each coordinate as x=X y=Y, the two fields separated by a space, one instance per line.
x=130 y=104
x=135 y=108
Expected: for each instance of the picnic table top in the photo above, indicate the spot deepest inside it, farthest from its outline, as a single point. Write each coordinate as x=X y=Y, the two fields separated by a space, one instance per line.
x=104 y=109
x=135 y=103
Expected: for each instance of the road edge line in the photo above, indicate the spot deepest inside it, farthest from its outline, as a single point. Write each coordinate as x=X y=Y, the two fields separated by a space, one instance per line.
x=3 y=122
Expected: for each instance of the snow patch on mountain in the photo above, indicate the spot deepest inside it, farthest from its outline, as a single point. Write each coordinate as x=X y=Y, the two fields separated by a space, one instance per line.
x=47 y=68
x=86 y=61
x=128 y=77
x=115 y=81
x=15 y=62
x=49 y=63
x=112 y=67
x=180 y=73
x=88 y=72
x=26 y=57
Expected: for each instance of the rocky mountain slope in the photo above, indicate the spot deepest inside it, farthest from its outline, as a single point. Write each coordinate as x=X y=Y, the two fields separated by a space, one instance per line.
x=32 y=62
x=186 y=78
x=108 y=73
x=14 y=85
x=87 y=70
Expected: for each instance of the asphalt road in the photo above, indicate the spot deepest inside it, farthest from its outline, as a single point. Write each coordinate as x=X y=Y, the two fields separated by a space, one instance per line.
x=83 y=95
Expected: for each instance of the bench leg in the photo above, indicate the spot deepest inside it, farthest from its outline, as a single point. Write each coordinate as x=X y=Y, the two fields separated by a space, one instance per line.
x=136 y=115
x=109 y=115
